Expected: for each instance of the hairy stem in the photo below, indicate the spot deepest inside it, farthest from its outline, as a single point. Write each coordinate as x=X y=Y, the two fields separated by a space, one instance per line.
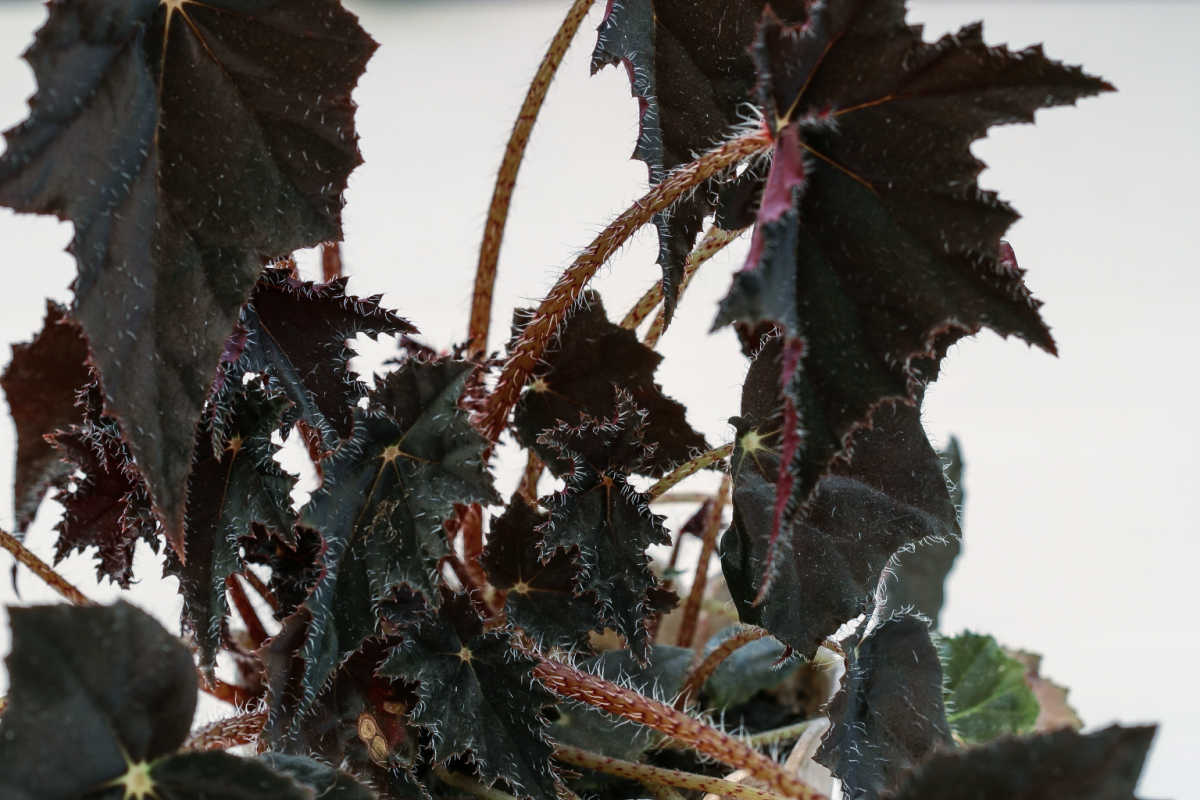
x=569 y=682
x=699 y=674
x=714 y=241
x=689 y=468
x=712 y=526
x=470 y=785
x=43 y=570
x=680 y=497
x=228 y=732
x=536 y=335
x=783 y=734
x=651 y=775
x=497 y=216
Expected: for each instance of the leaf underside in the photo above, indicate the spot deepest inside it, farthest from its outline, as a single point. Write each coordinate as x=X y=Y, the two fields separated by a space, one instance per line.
x=188 y=143
x=986 y=692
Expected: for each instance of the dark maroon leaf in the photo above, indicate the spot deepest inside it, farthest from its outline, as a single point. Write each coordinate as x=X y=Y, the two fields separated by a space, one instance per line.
x=606 y=525
x=829 y=559
x=95 y=685
x=1063 y=765
x=889 y=715
x=413 y=455
x=327 y=782
x=692 y=75
x=591 y=356
x=478 y=698
x=541 y=599
x=105 y=501
x=187 y=142
x=40 y=383
x=875 y=248
x=231 y=487
x=918 y=577
x=200 y=776
x=296 y=333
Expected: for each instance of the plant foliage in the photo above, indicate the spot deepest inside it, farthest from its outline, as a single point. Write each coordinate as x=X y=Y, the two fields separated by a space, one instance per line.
x=425 y=636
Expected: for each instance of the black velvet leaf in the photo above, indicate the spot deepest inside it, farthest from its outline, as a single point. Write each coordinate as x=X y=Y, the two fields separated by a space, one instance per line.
x=590 y=357
x=478 y=698
x=187 y=142
x=889 y=715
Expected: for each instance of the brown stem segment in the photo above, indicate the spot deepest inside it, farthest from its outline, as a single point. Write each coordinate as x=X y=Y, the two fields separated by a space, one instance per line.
x=714 y=241
x=226 y=733
x=569 y=682
x=254 y=626
x=261 y=589
x=43 y=570
x=699 y=674
x=712 y=526
x=651 y=775
x=535 y=337
x=688 y=469
x=497 y=216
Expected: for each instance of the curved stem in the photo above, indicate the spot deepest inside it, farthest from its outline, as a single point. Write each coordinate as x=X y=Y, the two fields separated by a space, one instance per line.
x=535 y=337
x=470 y=785
x=712 y=526
x=497 y=216
x=43 y=570
x=714 y=241
x=689 y=468
x=228 y=732
x=569 y=682
x=699 y=674
x=651 y=775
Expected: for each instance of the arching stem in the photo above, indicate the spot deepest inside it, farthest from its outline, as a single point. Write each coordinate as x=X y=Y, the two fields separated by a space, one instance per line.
x=688 y=469
x=712 y=526
x=497 y=216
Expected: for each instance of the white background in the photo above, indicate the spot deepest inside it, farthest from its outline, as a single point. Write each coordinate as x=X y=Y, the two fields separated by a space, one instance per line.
x=1081 y=471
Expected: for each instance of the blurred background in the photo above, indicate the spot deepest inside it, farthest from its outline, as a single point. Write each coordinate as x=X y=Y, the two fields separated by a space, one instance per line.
x=1082 y=473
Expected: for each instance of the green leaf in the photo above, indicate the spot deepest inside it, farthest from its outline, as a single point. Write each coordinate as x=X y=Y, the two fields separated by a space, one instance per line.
x=478 y=698
x=752 y=668
x=986 y=692
x=187 y=142
x=102 y=686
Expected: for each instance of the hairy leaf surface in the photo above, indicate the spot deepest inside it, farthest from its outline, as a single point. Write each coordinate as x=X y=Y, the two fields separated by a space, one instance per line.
x=889 y=715
x=229 y=490
x=105 y=505
x=986 y=692
x=591 y=356
x=478 y=697
x=40 y=384
x=693 y=77
x=608 y=523
x=875 y=249
x=295 y=332
x=1063 y=765
x=412 y=456
x=187 y=142
x=541 y=598
x=830 y=559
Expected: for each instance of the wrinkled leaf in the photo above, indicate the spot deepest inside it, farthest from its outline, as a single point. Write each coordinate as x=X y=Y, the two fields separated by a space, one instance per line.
x=875 y=249
x=986 y=693
x=830 y=560
x=607 y=525
x=660 y=677
x=540 y=598
x=412 y=456
x=1064 y=765
x=889 y=715
x=590 y=357
x=692 y=75
x=40 y=384
x=229 y=490
x=295 y=332
x=918 y=578
x=187 y=142
x=200 y=776
x=478 y=698
x=98 y=684
x=107 y=505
